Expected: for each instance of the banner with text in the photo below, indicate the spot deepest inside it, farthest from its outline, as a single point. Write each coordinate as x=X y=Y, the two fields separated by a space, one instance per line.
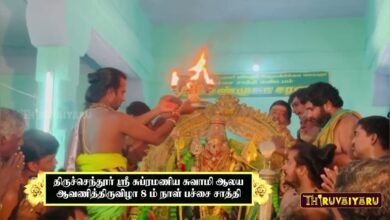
x=265 y=85
x=151 y=188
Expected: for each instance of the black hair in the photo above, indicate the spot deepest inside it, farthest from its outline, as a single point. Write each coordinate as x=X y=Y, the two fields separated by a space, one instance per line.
x=378 y=125
x=137 y=108
x=366 y=176
x=284 y=104
x=100 y=81
x=314 y=158
x=38 y=144
x=319 y=93
x=300 y=94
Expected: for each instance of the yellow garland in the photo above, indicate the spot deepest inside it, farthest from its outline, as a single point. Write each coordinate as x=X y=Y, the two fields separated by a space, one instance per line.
x=35 y=190
x=261 y=190
x=250 y=152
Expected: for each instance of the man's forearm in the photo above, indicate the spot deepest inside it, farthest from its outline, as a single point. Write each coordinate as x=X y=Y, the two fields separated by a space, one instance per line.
x=163 y=131
x=148 y=116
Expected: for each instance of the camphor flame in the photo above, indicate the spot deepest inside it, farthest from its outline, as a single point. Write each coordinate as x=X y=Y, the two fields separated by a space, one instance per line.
x=198 y=79
x=207 y=78
x=174 y=79
x=199 y=67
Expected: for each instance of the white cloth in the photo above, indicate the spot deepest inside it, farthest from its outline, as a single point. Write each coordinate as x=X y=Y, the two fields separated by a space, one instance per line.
x=73 y=147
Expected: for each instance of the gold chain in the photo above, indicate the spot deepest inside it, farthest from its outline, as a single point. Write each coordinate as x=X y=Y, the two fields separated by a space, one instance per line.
x=101 y=105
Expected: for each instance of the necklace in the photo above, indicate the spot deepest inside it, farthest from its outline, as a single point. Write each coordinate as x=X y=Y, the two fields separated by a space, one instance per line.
x=102 y=106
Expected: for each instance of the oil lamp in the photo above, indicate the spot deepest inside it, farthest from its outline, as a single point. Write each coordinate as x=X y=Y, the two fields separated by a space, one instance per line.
x=196 y=81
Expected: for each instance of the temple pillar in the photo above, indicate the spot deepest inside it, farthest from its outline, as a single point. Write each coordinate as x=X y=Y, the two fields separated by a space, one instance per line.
x=61 y=38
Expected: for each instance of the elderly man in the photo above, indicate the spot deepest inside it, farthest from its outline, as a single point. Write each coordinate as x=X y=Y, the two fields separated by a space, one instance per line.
x=39 y=149
x=12 y=125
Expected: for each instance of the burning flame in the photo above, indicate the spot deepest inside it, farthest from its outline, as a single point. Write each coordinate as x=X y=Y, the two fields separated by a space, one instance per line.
x=194 y=82
x=199 y=67
x=207 y=78
x=174 y=79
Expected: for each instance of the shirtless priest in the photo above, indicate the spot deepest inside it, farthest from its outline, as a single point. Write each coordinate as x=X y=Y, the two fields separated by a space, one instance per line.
x=101 y=132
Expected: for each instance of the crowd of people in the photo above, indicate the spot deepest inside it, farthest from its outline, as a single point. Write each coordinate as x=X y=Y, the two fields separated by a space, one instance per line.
x=335 y=150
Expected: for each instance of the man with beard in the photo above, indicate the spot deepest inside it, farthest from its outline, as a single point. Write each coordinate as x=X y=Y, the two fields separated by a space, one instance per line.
x=303 y=167
x=308 y=129
x=337 y=125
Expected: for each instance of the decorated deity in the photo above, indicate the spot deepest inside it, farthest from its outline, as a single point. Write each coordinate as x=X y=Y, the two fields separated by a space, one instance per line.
x=200 y=143
x=216 y=155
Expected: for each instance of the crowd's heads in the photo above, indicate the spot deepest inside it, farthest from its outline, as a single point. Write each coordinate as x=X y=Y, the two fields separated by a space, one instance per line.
x=366 y=176
x=108 y=83
x=371 y=132
x=12 y=125
x=280 y=112
x=137 y=108
x=297 y=100
x=39 y=149
x=307 y=160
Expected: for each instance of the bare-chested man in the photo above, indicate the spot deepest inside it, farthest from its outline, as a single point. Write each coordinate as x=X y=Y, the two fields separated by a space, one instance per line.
x=325 y=106
x=101 y=132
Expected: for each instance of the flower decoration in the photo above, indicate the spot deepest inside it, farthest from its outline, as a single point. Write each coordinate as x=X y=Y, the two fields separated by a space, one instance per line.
x=35 y=190
x=260 y=190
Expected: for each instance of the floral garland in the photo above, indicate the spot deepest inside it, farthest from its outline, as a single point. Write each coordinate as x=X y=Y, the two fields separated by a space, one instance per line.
x=275 y=196
x=146 y=213
x=35 y=190
x=188 y=161
x=261 y=190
